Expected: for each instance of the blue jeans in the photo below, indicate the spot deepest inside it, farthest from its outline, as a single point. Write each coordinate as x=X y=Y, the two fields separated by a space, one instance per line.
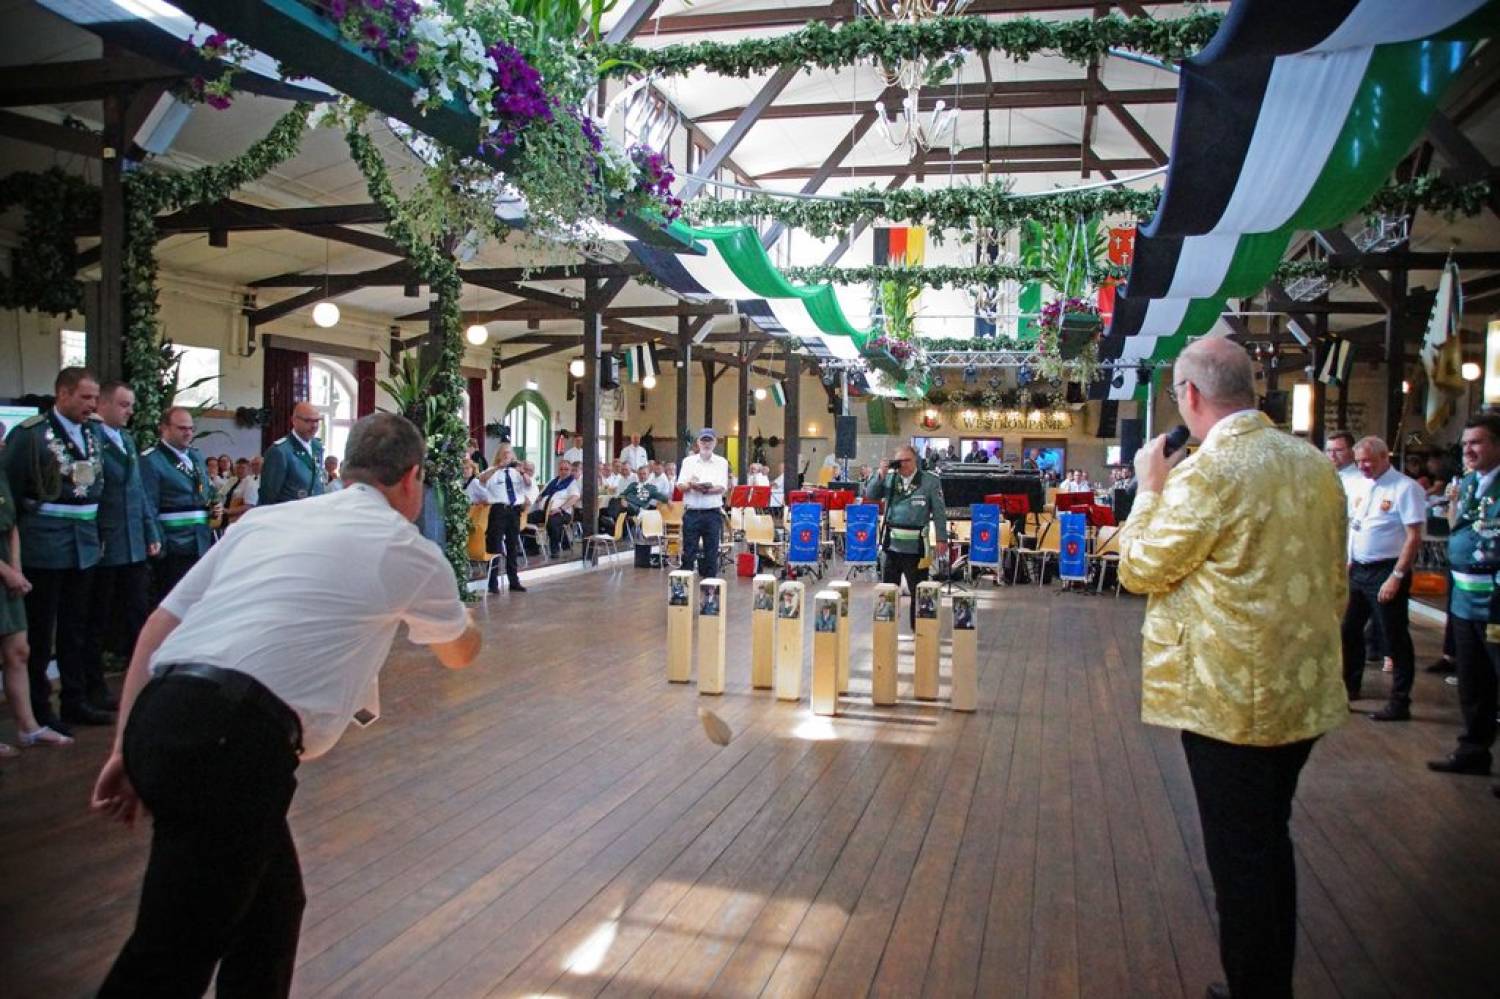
x=702 y=527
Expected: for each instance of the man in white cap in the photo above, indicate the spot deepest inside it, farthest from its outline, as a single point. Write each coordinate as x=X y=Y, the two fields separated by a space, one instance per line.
x=704 y=479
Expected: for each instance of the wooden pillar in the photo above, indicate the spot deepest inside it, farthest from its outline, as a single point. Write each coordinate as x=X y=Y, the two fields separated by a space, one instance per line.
x=708 y=396
x=1395 y=360
x=588 y=407
x=711 y=612
x=742 y=464
x=763 y=632
x=1315 y=353
x=684 y=367
x=792 y=429
x=825 y=667
x=844 y=589
x=106 y=346
x=680 y=626
x=789 y=606
x=929 y=598
x=965 y=652
x=883 y=644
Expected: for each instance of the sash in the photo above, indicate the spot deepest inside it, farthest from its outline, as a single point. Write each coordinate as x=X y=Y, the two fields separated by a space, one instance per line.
x=183 y=518
x=69 y=511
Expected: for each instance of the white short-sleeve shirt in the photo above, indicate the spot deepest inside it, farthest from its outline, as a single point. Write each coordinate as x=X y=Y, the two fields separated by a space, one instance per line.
x=1380 y=514
x=713 y=470
x=634 y=455
x=306 y=598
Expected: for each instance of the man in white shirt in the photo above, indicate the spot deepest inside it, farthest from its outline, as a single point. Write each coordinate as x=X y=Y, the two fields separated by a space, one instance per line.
x=704 y=480
x=1385 y=532
x=263 y=653
x=503 y=487
x=660 y=480
x=633 y=455
x=557 y=503
x=758 y=477
x=1340 y=450
x=574 y=455
x=778 y=488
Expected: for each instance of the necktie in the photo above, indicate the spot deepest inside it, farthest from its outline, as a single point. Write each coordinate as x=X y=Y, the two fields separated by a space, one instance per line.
x=510 y=488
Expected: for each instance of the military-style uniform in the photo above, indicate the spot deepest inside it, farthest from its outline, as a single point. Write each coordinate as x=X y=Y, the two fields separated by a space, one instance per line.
x=1474 y=561
x=909 y=508
x=180 y=498
x=57 y=481
x=292 y=471
x=122 y=581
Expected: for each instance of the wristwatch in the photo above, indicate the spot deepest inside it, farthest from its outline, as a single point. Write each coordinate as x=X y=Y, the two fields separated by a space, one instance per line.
x=1397 y=574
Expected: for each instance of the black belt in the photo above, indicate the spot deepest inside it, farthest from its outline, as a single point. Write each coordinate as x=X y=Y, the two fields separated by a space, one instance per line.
x=1378 y=562
x=242 y=688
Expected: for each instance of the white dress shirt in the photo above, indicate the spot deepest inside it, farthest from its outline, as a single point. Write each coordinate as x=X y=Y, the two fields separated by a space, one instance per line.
x=249 y=491
x=778 y=491
x=759 y=479
x=713 y=470
x=635 y=456
x=662 y=483
x=573 y=455
x=73 y=430
x=1380 y=514
x=306 y=598
x=494 y=490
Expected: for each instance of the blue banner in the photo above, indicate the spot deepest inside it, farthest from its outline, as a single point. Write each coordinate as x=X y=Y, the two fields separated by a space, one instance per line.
x=984 y=536
x=1072 y=556
x=861 y=540
x=802 y=533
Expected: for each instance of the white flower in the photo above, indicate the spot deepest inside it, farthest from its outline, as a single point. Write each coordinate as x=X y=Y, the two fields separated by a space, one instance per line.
x=445 y=91
x=420 y=96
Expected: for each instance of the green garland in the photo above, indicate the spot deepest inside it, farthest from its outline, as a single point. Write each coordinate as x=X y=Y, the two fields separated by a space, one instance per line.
x=827 y=46
x=1432 y=193
x=147 y=365
x=987 y=275
x=44 y=268
x=447 y=434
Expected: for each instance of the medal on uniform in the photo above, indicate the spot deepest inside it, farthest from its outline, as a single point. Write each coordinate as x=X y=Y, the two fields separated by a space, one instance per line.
x=83 y=474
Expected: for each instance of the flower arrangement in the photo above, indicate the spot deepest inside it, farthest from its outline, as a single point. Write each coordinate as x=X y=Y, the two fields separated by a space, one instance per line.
x=1068 y=335
x=217 y=47
x=901 y=350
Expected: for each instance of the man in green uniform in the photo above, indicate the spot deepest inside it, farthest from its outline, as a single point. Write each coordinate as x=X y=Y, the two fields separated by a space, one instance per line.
x=293 y=466
x=128 y=535
x=640 y=494
x=1474 y=555
x=57 y=475
x=913 y=499
x=181 y=499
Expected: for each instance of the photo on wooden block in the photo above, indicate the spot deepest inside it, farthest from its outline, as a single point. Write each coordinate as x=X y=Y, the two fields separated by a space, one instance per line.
x=677 y=592
x=885 y=606
x=790 y=606
x=963 y=613
x=765 y=595
x=926 y=604
x=828 y=618
x=708 y=599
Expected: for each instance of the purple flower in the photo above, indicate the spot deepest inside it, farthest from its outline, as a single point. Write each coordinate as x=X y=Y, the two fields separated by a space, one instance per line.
x=409 y=54
x=217 y=101
x=217 y=40
x=373 y=35
x=337 y=9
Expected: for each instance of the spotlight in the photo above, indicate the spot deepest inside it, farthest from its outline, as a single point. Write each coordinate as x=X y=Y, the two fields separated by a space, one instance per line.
x=760 y=395
x=477 y=335
x=326 y=314
x=971 y=374
x=576 y=367
x=1471 y=371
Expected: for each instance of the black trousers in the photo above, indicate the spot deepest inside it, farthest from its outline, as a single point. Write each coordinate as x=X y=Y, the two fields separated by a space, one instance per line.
x=505 y=529
x=557 y=531
x=119 y=605
x=166 y=572
x=1478 y=663
x=223 y=886
x=1365 y=580
x=1245 y=806
x=58 y=605
x=899 y=566
x=700 y=541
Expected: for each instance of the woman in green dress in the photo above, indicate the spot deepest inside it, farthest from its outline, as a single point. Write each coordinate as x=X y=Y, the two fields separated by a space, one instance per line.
x=13 y=645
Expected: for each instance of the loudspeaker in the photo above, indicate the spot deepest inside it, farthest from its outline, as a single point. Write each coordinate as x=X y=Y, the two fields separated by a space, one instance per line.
x=1274 y=405
x=609 y=371
x=1109 y=415
x=1130 y=440
x=846 y=437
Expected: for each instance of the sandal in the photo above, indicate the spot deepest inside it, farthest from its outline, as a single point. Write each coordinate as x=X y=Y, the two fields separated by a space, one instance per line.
x=44 y=736
x=8 y=750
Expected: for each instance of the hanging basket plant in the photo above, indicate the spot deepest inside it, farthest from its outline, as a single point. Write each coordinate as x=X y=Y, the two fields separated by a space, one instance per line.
x=1069 y=330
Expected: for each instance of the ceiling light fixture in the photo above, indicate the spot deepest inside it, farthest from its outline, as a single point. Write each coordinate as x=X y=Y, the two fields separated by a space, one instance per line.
x=576 y=367
x=477 y=335
x=325 y=313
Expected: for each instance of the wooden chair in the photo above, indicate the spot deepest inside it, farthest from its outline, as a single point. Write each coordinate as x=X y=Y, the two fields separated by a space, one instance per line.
x=596 y=544
x=671 y=524
x=1106 y=551
x=1047 y=547
x=479 y=556
x=838 y=528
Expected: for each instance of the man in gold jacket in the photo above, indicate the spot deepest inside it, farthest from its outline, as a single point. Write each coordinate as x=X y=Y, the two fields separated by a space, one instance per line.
x=1241 y=548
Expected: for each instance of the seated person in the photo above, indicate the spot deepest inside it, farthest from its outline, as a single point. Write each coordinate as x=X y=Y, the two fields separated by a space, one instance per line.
x=558 y=502
x=641 y=494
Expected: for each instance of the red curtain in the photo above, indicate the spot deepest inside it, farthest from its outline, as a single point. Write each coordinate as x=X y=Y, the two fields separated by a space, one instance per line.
x=285 y=386
x=476 y=412
x=364 y=379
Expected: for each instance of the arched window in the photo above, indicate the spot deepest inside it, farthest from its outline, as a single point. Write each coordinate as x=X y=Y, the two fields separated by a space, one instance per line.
x=530 y=422
x=332 y=390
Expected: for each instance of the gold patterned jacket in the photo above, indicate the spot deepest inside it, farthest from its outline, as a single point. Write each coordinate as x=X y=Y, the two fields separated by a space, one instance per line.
x=1242 y=554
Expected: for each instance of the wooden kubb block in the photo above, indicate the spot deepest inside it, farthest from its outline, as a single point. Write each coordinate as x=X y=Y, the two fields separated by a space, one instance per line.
x=680 y=626
x=929 y=599
x=711 y=636
x=789 y=599
x=845 y=590
x=825 y=669
x=763 y=633
x=883 y=644
x=965 y=653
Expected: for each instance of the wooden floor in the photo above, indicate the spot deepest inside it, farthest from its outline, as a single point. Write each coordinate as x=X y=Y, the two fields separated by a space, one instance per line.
x=552 y=822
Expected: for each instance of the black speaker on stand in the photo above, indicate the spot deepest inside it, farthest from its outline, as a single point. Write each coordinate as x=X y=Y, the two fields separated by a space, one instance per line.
x=1130 y=439
x=846 y=437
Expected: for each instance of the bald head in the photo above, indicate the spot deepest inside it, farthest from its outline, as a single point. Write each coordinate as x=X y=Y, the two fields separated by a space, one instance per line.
x=1221 y=372
x=305 y=420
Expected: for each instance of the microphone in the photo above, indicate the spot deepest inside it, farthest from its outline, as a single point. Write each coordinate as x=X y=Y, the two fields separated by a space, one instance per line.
x=1176 y=437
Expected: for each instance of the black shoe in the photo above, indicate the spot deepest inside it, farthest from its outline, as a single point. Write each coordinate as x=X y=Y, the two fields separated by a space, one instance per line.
x=1457 y=764
x=494 y=586
x=1217 y=990
x=1443 y=665
x=516 y=587
x=1392 y=712
x=87 y=714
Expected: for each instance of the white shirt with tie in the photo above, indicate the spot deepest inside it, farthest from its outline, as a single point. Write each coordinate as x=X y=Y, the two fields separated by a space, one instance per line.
x=507 y=486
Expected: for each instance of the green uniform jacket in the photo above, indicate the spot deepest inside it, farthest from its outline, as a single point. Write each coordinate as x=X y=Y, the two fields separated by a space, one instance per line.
x=57 y=491
x=1473 y=576
x=126 y=524
x=638 y=495
x=291 y=472
x=179 y=499
x=909 y=510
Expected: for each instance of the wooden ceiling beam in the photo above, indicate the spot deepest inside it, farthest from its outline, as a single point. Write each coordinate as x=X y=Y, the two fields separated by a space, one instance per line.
x=971 y=97
x=721 y=150
x=79 y=80
x=968 y=165
x=838 y=10
x=78 y=141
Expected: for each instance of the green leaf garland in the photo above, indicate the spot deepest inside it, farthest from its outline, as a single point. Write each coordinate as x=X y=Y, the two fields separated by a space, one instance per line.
x=44 y=268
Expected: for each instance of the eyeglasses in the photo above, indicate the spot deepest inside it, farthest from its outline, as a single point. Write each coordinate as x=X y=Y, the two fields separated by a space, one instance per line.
x=1172 y=392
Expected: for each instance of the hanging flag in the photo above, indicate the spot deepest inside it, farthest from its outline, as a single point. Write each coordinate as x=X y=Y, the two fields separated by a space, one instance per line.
x=778 y=394
x=1121 y=252
x=1029 y=301
x=900 y=246
x=1338 y=358
x=640 y=362
x=1442 y=353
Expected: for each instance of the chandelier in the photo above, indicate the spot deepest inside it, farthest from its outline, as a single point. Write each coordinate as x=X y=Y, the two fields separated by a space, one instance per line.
x=909 y=129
